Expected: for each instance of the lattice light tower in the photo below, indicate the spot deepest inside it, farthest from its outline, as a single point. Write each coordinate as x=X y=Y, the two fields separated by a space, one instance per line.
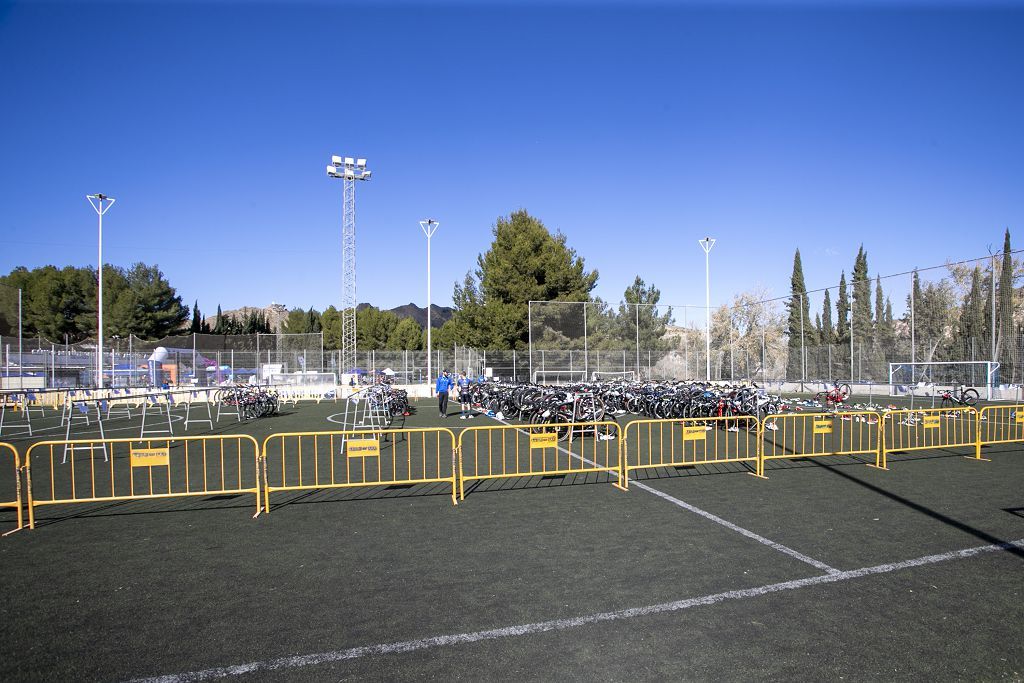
x=349 y=170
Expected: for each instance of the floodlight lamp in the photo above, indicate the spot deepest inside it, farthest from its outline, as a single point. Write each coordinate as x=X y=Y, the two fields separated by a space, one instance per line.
x=361 y=163
x=349 y=161
x=366 y=175
x=335 y=160
x=331 y=171
x=349 y=175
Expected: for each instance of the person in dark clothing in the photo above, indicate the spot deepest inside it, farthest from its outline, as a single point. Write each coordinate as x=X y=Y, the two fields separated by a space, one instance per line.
x=444 y=385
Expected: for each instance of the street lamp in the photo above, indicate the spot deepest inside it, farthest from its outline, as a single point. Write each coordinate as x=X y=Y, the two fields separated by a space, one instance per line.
x=429 y=227
x=706 y=244
x=96 y=200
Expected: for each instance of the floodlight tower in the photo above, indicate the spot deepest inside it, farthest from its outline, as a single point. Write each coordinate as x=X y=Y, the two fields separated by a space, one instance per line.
x=349 y=170
x=706 y=244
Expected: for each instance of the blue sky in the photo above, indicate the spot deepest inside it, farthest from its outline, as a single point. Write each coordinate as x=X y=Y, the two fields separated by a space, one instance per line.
x=634 y=128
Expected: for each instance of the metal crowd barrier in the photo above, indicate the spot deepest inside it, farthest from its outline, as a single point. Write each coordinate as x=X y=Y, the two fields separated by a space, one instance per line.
x=926 y=429
x=818 y=435
x=999 y=424
x=15 y=473
x=302 y=461
x=506 y=451
x=649 y=444
x=139 y=469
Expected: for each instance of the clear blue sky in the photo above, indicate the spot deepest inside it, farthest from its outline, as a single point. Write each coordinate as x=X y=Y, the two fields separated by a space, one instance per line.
x=633 y=128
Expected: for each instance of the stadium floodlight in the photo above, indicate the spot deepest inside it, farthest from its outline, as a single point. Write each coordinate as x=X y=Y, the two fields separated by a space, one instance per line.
x=344 y=168
x=96 y=200
x=706 y=244
x=361 y=163
x=429 y=227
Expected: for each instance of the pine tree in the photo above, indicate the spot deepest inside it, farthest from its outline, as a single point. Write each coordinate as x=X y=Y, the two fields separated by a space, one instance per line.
x=1004 y=314
x=197 y=319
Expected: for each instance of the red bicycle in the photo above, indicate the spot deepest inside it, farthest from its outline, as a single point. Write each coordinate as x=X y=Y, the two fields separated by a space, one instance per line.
x=834 y=396
x=966 y=397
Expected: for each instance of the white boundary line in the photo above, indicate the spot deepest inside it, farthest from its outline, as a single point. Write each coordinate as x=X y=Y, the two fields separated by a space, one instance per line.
x=707 y=515
x=283 y=663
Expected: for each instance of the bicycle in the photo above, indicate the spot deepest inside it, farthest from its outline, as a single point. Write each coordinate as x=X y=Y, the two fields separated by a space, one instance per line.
x=834 y=396
x=966 y=397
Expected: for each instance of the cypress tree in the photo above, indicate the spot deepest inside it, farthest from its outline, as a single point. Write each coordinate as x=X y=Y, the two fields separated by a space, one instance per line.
x=799 y=325
x=1004 y=302
x=861 y=284
x=842 y=311
x=828 y=332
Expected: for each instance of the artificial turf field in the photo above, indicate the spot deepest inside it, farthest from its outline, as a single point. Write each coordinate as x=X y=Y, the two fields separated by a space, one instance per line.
x=827 y=570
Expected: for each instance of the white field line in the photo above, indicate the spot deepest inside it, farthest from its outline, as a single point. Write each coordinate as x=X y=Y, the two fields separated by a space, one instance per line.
x=714 y=518
x=298 y=661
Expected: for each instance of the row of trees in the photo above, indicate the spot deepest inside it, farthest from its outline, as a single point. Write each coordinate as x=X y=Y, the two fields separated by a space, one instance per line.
x=61 y=303
x=972 y=312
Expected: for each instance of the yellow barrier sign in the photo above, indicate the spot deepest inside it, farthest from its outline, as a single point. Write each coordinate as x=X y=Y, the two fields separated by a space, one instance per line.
x=931 y=421
x=544 y=440
x=150 y=457
x=695 y=434
x=1019 y=417
x=823 y=426
x=363 y=448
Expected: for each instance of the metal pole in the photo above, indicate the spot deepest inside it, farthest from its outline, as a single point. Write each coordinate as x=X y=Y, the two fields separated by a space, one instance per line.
x=586 y=371
x=803 y=348
x=429 y=227
x=707 y=244
x=913 y=350
x=21 y=358
x=993 y=287
x=638 y=340
x=529 y=334
x=851 y=346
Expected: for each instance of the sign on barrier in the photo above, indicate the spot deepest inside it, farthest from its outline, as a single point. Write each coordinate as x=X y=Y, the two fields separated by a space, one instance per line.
x=687 y=442
x=999 y=424
x=89 y=471
x=10 y=480
x=927 y=428
x=817 y=435
x=303 y=461
x=506 y=451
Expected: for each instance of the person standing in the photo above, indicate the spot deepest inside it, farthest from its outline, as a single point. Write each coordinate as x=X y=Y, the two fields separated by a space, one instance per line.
x=443 y=386
x=465 y=397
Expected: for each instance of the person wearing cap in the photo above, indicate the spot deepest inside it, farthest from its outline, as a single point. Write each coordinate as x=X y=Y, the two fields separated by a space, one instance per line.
x=465 y=397
x=443 y=386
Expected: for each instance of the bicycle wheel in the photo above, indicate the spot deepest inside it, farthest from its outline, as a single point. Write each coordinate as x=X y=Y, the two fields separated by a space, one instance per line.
x=844 y=391
x=970 y=396
x=947 y=402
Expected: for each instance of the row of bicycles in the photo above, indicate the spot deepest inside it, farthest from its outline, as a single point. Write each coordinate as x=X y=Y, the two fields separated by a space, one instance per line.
x=252 y=401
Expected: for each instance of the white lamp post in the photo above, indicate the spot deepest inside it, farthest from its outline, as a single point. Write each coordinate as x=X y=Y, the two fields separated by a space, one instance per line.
x=706 y=244
x=429 y=227
x=96 y=200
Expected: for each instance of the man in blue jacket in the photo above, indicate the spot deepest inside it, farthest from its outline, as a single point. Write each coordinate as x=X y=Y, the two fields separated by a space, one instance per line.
x=444 y=385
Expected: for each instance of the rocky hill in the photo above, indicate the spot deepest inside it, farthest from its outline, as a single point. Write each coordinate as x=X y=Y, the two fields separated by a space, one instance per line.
x=277 y=313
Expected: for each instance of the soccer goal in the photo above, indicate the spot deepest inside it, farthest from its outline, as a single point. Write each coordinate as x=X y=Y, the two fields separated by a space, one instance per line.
x=628 y=376
x=559 y=376
x=908 y=377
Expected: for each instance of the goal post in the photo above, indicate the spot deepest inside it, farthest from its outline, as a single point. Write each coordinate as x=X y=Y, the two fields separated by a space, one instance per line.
x=628 y=376
x=981 y=374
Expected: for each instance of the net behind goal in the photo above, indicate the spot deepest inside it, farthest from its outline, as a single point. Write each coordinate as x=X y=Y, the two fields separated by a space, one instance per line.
x=981 y=375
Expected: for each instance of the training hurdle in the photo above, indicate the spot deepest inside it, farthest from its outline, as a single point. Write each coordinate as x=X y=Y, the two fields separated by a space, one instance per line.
x=6 y=450
x=303 y=461
x=927 y=429
x=139 y=469
x=650 y=444
x=999 y=424
x=507 y=451
x=818 y=435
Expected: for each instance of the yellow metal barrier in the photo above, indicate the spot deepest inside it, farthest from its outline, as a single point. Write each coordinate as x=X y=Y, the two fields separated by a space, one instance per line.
x=818 y=435
x=505 y=451
x=58 y=472
x=299 y=461
x=650 y=444
x=15 y=474
x=928 y=428
x=999 y=424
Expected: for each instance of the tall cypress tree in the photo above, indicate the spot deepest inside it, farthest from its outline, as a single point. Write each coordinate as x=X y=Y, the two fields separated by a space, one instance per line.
x=861 y=313
x=1004 y=303
x=799 y=325
x=842 y=311
x=972 y=320
x=828 y=332
x=879 y=303
x=197 y=319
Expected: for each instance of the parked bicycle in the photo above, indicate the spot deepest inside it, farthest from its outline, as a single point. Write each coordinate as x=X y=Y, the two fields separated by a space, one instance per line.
x=961 y=397
x=834 y=396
